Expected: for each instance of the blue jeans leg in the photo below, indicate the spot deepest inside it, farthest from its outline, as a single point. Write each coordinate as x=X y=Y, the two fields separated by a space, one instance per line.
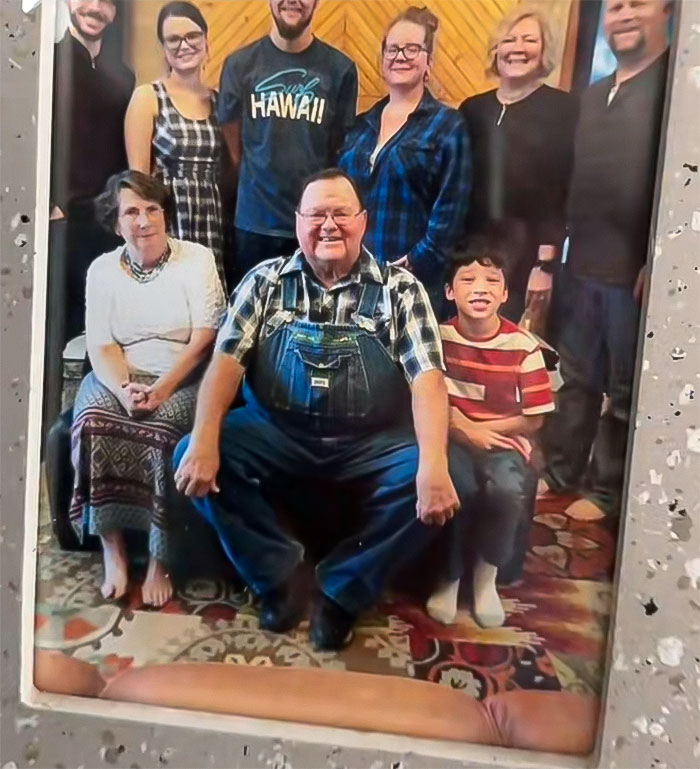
x=503 y=479
x=454 y=535
x=382 y=471
x=253 y=248
x=569 y=432
x=607 y=467
x=255 y=454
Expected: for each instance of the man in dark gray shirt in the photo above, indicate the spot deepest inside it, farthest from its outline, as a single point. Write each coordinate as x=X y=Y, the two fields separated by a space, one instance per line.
x=285 y=103
x=609 y=213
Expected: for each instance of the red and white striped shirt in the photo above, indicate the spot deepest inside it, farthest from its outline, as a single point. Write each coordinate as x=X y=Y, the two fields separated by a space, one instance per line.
x=496 y=378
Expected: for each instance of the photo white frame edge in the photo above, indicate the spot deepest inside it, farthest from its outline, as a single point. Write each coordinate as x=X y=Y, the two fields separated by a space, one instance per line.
x=484 y=756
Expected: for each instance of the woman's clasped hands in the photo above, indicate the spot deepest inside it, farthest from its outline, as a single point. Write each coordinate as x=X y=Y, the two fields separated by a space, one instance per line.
x=140 y=399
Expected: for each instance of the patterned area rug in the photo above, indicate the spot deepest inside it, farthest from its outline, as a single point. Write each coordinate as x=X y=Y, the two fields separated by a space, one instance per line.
x=553 y=638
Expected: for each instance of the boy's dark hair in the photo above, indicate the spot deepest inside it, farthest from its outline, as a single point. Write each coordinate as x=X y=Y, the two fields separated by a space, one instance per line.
x=486 y=250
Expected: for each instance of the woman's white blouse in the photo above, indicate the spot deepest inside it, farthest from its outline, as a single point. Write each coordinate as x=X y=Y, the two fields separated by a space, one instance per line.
x=152 y=322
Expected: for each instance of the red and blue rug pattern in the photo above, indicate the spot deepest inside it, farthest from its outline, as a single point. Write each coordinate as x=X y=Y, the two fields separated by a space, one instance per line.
x=553 y=638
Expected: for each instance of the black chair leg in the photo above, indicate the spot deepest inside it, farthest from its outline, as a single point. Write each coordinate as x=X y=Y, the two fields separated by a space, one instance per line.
x=59 y=482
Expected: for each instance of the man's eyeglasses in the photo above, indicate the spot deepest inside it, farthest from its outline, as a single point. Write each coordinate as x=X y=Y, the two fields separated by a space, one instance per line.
x=174 y=42
x=317 y=218
x=410 y=51
x=132 y=213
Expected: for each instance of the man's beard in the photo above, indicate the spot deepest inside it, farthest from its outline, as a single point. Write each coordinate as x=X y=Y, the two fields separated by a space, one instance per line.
x=75 y=21
x=630 y=53
x=293 y=31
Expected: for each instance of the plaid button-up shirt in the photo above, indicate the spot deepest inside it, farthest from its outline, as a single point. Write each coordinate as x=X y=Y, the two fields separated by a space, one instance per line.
x=413 y=340
x=417 y=190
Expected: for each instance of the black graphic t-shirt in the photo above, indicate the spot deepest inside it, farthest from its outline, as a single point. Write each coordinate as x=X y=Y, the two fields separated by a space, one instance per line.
x=294 y=110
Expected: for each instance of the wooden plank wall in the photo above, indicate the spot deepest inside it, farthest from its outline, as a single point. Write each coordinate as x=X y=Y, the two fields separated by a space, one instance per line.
x=357 y=27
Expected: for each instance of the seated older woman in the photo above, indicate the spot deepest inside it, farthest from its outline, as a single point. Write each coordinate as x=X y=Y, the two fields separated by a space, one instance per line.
x=153 y=307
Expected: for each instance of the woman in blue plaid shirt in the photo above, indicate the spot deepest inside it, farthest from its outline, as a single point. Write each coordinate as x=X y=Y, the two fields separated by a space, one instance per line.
x=409 y=155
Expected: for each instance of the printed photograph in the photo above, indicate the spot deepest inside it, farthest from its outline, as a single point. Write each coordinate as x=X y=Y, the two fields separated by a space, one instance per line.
x=343 y=303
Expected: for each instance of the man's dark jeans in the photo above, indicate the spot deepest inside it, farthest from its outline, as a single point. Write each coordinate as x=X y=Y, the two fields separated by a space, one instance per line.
x=597 y=341
x=253 y=248
x=259 y=459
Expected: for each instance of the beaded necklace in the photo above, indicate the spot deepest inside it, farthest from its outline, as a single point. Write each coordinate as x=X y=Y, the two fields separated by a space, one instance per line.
x=140 y=274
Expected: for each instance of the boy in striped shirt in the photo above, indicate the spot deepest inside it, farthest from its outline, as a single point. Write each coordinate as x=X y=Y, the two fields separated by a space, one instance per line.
x=499 y=390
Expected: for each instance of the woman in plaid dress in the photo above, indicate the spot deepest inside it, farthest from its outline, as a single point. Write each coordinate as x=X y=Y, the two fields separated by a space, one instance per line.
x=172 y=132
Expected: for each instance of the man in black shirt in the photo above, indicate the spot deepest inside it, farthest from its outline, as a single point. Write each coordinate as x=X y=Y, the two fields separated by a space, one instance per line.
x=609 y=212
x=92 y=89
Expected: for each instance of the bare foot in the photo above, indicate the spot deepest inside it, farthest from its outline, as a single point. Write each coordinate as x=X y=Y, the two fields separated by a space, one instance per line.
x=114 y=557
x=542 y=488
x=584 y=510
x=157 y=589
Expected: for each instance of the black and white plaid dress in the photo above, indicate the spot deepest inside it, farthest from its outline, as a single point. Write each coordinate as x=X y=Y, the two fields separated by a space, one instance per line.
x=187 y=155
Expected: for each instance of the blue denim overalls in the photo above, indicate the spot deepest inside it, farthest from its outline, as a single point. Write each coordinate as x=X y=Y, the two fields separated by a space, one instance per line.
x=325 y=379
x=323 y=401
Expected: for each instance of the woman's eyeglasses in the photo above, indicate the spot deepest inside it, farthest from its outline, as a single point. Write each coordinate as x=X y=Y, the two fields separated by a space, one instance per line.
x=174 y=42
x=133 y=213
x=317 y=218
x=410 y=51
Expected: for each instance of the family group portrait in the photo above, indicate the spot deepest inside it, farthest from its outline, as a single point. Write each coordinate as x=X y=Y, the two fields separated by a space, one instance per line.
x=342 y=317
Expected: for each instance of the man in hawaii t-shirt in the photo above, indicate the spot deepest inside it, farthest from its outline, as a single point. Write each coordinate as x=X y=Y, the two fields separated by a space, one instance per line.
x=285 y=103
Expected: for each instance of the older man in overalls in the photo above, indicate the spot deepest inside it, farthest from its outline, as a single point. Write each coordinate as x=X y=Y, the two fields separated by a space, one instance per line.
x=343 y=382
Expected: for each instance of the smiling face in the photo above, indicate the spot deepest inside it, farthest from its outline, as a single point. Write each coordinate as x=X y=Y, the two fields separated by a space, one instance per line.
x=399 y=70
x=141 y=223
x=329 y=246
x=519 y=53
x=184 y=43
x=478 y=290
x=90 y=18
x=635 y=28
x=292 y=17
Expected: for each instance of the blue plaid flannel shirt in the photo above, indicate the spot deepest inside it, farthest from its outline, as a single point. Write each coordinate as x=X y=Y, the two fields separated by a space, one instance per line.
x=417 y=192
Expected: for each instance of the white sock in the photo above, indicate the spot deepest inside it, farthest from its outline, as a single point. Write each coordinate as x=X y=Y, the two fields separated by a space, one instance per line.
x=442 y=604
x=488 y=609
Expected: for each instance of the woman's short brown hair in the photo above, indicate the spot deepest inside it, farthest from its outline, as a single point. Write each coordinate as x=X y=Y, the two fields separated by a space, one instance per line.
x=421 y=16
x=145 y=186
x=507 y=23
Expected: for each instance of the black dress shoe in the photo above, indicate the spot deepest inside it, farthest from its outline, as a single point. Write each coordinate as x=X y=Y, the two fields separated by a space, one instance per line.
x=331 y=626
x=282 y=608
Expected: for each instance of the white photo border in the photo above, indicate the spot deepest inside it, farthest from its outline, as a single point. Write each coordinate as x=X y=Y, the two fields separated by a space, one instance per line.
x=616 y=741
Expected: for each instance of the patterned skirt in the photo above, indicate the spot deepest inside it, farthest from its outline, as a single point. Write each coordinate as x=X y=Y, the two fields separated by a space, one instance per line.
x=123 y=466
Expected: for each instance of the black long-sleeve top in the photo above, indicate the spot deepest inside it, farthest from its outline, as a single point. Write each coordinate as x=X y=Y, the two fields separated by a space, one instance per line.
x=522 y=160
x=612 y=189
x=90 y=100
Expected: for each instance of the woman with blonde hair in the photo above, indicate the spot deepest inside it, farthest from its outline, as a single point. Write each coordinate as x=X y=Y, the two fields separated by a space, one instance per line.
x=522 y=148
x=171 y=129
x=409 y=156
